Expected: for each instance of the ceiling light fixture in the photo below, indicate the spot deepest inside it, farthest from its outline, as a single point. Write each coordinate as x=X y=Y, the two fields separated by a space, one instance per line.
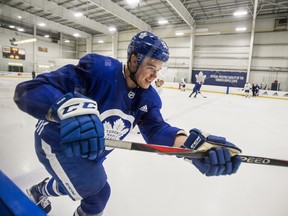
x=11 y=26
x=179 y=33
x=162 y=21
x=78 y=14
x=100 y=41
x=42 y=24
x=43 y=66
x=133 y=1
x=240 y=29
x=207 y=33
x=25 y=41
x=112 y=29
x=67 y=41
x=76 y=34
x=240 y=13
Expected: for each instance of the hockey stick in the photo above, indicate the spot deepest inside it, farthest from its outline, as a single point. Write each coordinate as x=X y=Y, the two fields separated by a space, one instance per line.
x=181 y=152
x=202 y=95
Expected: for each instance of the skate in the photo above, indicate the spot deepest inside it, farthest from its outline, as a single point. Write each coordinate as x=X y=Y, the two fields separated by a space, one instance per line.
x=39 y=199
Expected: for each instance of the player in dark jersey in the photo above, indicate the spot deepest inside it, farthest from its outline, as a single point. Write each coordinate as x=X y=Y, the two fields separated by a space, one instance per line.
x=79 y=106
x=196 y=89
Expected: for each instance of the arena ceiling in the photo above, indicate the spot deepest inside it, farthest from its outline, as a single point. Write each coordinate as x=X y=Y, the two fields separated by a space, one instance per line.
x=98 y=16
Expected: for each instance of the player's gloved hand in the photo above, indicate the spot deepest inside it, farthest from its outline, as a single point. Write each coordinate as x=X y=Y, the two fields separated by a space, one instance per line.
x=81 y=130
x=222 y=156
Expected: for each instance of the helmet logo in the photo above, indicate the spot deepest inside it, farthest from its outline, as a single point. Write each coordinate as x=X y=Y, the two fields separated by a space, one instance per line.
x=142 y=35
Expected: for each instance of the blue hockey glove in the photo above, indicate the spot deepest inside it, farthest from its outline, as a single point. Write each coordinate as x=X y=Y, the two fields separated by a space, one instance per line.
x=222 y=156
x=81 y=130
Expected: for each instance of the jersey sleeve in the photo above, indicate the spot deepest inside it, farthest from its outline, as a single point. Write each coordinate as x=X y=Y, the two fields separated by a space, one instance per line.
x=153 y=127
x=36 y=96
x=157 y=131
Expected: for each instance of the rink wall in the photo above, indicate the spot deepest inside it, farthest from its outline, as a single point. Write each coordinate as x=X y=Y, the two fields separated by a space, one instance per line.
x=230 y=90
x=14 y=201
x=175 y=85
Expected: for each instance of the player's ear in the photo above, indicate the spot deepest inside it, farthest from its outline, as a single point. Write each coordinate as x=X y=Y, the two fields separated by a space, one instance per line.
x=133 y=61
x=134 y=58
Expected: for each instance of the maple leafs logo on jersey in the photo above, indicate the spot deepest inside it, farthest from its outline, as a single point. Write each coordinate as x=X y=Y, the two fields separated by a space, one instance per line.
x=200 y=77
x=116 y=131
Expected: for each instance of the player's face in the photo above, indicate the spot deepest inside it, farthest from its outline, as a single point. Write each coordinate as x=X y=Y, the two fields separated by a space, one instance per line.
x=147 y=72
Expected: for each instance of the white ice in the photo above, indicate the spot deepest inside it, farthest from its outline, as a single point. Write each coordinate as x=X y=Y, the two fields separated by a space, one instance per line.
x=149 y=184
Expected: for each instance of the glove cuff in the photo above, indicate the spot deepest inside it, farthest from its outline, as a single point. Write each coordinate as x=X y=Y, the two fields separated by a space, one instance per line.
x=195 y=139
x=221 y=141
x=70 y=106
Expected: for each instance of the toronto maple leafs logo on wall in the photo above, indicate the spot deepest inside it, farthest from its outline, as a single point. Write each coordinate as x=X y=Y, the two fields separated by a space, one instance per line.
x=200 y=77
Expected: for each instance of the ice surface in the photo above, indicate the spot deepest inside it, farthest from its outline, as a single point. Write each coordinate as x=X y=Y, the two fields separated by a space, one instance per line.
x=155 y=185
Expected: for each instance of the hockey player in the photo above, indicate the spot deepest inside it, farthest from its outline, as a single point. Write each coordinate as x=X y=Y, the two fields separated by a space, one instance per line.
x=247 y=88
x=257 y=88
x=78 y=106
x=158 y=83
x=196 y=89
x=182 y=85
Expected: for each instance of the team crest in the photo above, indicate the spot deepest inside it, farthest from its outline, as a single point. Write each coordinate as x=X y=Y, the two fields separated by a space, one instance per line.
x=115 y=131
x=117 y=124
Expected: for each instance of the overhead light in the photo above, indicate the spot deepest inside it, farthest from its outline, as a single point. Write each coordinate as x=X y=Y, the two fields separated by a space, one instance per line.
x=67 y=41
x=240 y=13
x=43 y=66
x=78 y=14
x=162 y=21
x=46 y=36
x=112 y=29
x=11 y=26
x=100 y=41
x=202 y=30
x=20 y=29
x=19 y=17
x=179 y=33
x=208 y=33
x=25 y=41
x=42 y=24
x=76 y=34
x=133 y=1
x=240 y=29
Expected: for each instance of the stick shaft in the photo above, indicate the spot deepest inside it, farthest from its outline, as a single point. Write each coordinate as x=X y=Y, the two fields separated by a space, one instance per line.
x=202 y=95
x=166 y=150
x=264 y=160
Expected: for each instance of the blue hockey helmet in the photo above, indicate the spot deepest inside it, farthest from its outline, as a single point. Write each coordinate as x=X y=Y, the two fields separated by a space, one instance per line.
x=146 y=44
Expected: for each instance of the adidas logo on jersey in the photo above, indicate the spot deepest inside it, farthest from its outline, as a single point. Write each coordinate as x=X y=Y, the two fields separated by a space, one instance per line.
x=144 y=108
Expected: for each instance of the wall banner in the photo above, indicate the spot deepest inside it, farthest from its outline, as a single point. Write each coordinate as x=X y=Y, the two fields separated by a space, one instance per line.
x=220 y=78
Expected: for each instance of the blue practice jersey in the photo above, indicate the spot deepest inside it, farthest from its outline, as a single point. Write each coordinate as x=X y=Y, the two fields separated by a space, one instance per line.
x=102 y=79
x=197 y=87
